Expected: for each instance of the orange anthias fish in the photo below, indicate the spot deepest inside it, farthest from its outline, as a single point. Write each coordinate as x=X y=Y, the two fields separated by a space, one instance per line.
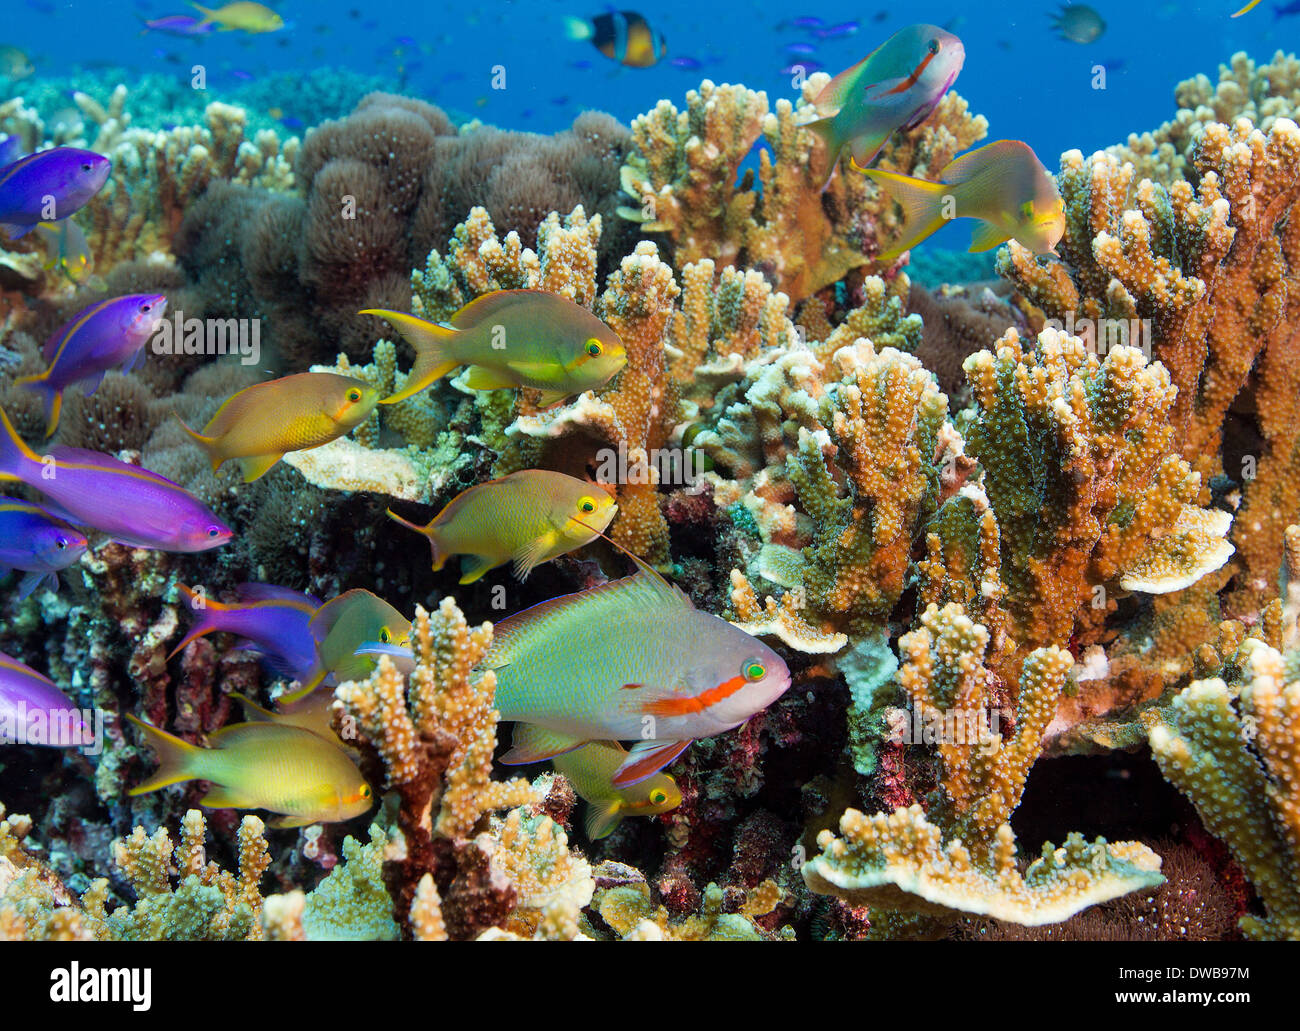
x=1003 y=185
x=260 y=423
x=632 y=660
x=894 y=87
x=530 y=517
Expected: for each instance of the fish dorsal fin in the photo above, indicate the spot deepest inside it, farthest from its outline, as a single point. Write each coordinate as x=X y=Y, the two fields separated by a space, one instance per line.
x=269 y=735
x=966 y=167
x=328 y=614
x=836 y=92
x=253 y=593
x=489 y=306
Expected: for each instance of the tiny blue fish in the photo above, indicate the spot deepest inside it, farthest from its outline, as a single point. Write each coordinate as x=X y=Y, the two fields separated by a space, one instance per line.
x=34 y=542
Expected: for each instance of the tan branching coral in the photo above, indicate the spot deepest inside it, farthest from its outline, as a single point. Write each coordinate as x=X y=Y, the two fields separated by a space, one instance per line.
x=1233 y=751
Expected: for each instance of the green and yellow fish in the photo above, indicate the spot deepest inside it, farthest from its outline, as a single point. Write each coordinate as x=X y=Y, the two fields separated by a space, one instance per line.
x=304 y=777
x=528 y=517
x=343 y=625
x=512 y=338
x=68 y=252
x=1003 y=185
x=590 y=770
x=242 y=16
x=296 y=413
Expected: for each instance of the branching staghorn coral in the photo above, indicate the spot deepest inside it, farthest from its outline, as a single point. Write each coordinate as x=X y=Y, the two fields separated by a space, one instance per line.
x=682 y=180
x=434 y=734
x=1211 y=265
x=960 y=853
x=1233 y=751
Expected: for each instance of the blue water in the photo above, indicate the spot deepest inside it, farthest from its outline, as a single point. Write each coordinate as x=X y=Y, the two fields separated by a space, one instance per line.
x=1030 y=84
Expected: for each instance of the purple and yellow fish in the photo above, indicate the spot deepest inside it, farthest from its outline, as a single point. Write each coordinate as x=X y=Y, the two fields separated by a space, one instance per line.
x=632 y=660
x=96 y=339
x=302 y=776
x=34 y=542
x=1002 y=184
x=528 y=517
x=132 y=505
x=258 y=425
x=590 y=769
x=48 y=186
x=896 y=86
x=269 y=619
x=29 y=700
x=512 y=338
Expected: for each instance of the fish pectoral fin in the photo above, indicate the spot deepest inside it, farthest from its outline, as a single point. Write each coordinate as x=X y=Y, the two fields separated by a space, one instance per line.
x=533 y=554
x=533 y=744
x=546 y=398
x=864 y=149
x=31 y=581
x=219 y=797
x=282 y=822
x=134 y=362
x=480 y=377
x=473 y=567
x=645 y=759
x=987 y=236
x=535 y=370
x=92 y=383
x=256 y=466
x=602 y=818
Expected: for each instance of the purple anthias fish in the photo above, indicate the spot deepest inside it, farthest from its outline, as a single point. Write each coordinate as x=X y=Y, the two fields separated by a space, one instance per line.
x=179 y=25
x=34 y=542
x=11 y=149
x=48 y=186
x=29 y=700
x=272 y=620
x=96 y=339
x=130 y=504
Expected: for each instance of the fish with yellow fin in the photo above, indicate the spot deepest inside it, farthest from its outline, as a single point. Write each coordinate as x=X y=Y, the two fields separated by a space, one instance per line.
x=258 y=425
x=314 y=713
x=290 y=771
x=528 y=517
x=512 y=338
x=590 y=769
x=342 y=626
x=240 y=16
x=1003 y=185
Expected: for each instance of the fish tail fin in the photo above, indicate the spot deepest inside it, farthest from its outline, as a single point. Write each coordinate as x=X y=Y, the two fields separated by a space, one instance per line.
x=824 y=130
x=208 y=17
x=439 y=556
x=922 y=204
x=433 y=359
x=577 y=28
x=53 y=397
x=602 y=818
x=209 y=444
x=204 y=613
x=175 y=758
x=14 y=454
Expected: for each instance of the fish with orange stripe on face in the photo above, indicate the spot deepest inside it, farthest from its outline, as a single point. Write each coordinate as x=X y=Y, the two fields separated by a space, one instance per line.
x=632 y=660
x=896 y=86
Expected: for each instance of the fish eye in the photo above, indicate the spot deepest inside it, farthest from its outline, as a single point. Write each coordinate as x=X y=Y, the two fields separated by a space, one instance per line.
x=86 y=166
x=385 y=636
x=587 y=505
x=61 y=543
x=595 y=348
x=365 y=790
x=146 y=308
x=935 y=46
x=354 y=395
x=754 y=670
x=214 y=531
x=658 y=797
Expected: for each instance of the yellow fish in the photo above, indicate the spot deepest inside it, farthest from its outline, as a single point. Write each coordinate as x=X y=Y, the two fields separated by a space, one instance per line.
x=300 y=775
x=342 y=626
x=529 y=517
x=1003 y=184
x=243 y=15
x=260 y=423
x=590 y=770
x=512 y=338
x=314 y=713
